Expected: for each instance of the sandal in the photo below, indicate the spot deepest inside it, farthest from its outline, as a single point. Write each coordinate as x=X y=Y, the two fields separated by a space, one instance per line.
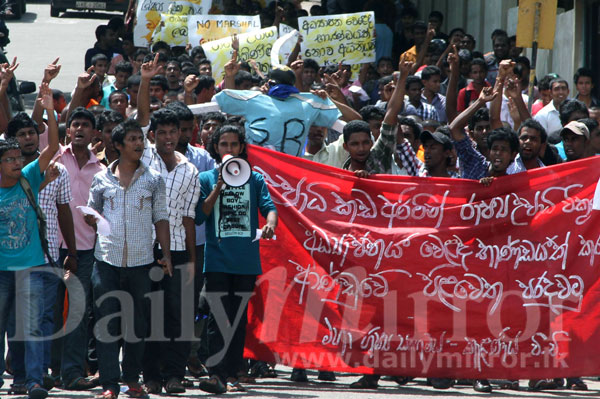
x=153 y=386
x=17 y=389
x=212 y=385
x=108 y=394
x=137 y=392
x=174 y=385
x=235 y=386
x=80 y=384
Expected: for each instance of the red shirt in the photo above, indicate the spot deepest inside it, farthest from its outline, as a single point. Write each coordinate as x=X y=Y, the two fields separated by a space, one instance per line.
x=472 y=95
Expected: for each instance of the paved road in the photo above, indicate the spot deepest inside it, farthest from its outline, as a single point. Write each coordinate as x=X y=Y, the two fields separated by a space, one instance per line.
x=37 y=39
x=282 y=387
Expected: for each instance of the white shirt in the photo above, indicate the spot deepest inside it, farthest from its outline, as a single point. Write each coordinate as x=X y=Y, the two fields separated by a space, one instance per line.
x=182 y=192
x=549 y=118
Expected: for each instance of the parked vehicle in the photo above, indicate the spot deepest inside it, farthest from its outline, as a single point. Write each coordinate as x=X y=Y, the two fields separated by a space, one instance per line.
x=58 y=6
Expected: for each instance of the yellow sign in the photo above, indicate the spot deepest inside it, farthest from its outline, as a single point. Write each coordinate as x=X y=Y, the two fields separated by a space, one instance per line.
x=206 y=28
x=346 y=38
x=149 y=16
x=254 y=45
x=546 y=25
x=173 y=30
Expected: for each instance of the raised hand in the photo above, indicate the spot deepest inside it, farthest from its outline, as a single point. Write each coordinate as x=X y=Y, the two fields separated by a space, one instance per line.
x=45 y=97
x=51 y=71
x=487 y=94
x=405 y=67
x=86 y=79
x=190 y=83
x=232 y=66
x=151 y=68
x=505 y=68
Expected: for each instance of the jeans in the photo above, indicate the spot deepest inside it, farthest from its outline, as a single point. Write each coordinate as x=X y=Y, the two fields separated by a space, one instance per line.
x=72 y=348
x=227 y=288
x=23 y=318
x=120 y=305
x=171 y=354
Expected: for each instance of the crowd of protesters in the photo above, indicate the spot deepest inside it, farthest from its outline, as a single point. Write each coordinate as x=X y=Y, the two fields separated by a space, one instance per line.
x=126 y=151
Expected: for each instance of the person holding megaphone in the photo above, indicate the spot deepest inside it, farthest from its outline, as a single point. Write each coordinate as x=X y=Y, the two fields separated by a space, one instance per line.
x=230 y=198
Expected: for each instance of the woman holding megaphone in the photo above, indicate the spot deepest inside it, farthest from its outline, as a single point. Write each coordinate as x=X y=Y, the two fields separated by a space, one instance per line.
x=230 y=199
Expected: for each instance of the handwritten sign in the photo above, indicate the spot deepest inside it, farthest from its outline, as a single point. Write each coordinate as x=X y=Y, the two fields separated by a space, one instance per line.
x=347 y=38
x=150 y=14
x=172 y=30
x=206 y=28
x=399 y=275
x=253 y=45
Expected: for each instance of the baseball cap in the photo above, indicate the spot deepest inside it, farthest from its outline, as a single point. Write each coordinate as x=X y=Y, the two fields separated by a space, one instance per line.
x=438 y=137
x=578 y=128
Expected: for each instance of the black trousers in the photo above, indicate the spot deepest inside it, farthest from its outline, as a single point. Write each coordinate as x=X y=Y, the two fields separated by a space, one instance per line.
x=227 y=361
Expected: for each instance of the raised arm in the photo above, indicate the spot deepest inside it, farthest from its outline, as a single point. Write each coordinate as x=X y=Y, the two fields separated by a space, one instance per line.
x=396 y=102
x=232 y=66
x=513 y=92
x=50 y=72
x=147 y=70
x=48 y=104
x=452 y=92
x=457 y=127
x=505 y=68
x=7 y=74
x=84 y=81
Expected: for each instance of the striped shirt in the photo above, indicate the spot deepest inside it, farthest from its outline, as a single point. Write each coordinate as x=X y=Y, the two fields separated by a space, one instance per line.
x=182 y=192
x=56 y=192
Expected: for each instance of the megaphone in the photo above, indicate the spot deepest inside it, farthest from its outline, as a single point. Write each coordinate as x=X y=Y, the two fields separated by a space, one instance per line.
x=236 y=171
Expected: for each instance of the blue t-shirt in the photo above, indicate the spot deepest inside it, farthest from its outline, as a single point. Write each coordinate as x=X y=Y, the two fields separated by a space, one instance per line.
x=20 y=246
x=280 y=124
x=232 y=224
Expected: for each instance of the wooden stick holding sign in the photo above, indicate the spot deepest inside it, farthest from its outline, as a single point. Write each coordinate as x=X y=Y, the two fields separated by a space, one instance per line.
x=535 y=29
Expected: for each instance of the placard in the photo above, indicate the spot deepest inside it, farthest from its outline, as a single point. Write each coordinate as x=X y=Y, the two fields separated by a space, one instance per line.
x=206 y=28
x=346 y=38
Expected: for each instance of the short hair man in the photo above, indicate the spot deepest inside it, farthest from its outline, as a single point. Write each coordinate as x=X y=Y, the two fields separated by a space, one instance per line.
x=549 y=116
x=575 y=136
x=182 y=188
x=431 y=77
x=82 y=164
x=415 y=104
x=131 y=197
x=532 y=146
x=584 y=84
x=469 y=94
x=21 y=250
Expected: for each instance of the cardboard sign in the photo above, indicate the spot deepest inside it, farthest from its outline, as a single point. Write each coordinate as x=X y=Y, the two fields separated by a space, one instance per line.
x=526 y=23
x=347 y=38
x=149 y=16
x=206 y=28
x=173 y=30
x=253 y=45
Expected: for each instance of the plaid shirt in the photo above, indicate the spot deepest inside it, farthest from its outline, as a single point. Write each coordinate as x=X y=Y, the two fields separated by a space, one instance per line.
x=413 y=165
x=131 y=213
x=518 y=166
x=56 y=192
x=439 y=103
x=381 y=157
x=182 y=191
x=424 y=111
x=473 y=164
x=202 y=160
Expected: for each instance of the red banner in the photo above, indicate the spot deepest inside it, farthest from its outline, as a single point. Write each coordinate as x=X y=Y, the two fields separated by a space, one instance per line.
x=433 y=277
